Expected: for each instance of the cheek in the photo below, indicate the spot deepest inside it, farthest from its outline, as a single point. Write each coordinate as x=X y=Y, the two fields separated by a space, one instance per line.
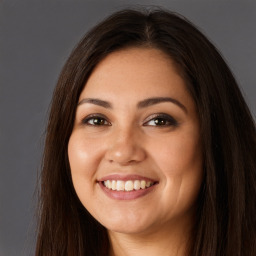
x=180 y=160
x=83 y=155
x=177 y=155
x=83 y=160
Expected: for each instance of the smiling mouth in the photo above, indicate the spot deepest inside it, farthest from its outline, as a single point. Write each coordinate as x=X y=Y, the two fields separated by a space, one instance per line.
x=129 y=185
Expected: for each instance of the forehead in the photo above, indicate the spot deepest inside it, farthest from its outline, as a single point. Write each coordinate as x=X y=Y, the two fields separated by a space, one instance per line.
x=135 y=62
x=137 y=73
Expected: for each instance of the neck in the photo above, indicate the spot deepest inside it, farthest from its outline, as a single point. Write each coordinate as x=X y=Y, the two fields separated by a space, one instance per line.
x=170 y=240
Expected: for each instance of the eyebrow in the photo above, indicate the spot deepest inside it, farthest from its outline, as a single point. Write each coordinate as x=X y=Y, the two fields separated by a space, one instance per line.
x=152 y=101
x=98 y=102
x=142 y=104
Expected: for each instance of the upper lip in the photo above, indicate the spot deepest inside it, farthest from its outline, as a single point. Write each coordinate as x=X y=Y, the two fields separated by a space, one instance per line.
x=125 y=177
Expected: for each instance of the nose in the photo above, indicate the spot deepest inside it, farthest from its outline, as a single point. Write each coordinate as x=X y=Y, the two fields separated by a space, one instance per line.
x=125 y=148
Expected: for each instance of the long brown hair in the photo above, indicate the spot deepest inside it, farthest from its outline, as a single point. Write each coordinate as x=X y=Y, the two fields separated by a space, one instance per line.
x=226 y=219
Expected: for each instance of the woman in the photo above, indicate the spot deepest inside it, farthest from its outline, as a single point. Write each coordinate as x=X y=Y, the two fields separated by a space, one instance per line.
x=150 y=146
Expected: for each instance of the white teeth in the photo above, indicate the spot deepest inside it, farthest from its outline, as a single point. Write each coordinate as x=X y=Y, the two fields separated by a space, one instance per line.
x=128 y=185
x=113 y=185
x=120 y=185
x=109 y=185
x=143 y=184
x=148 y=184
x=136 y=185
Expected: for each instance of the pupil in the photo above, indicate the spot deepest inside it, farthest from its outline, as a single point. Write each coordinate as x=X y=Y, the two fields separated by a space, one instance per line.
x=160 y=121
x=98 y=121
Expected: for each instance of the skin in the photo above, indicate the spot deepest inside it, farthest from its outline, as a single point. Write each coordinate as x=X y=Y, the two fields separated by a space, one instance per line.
x=128 y=141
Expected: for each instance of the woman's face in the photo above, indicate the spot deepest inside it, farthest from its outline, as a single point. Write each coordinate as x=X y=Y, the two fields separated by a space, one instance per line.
x=135 y=149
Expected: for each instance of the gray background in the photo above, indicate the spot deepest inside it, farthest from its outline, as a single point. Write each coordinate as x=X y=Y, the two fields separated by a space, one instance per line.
x=35 y=39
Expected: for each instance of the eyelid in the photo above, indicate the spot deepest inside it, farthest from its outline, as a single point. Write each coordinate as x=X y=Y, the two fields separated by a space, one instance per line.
x=95 y=115
x=172 y=121
x=168 y=118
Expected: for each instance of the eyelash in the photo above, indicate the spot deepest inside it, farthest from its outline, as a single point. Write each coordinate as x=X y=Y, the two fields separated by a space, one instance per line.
x=160 y=120
x=95 y=117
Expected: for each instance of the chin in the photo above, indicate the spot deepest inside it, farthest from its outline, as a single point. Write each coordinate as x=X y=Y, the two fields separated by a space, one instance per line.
x=128 y=223
x=127 y=229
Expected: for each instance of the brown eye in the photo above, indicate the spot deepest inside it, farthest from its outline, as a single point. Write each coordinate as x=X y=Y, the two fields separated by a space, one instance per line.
x=95 y=121
x=161 y=120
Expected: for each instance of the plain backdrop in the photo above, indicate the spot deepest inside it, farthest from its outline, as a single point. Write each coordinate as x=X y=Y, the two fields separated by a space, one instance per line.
x=36 y=38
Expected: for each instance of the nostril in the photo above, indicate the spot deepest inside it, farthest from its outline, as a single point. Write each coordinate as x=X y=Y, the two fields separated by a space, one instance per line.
x=125 y=154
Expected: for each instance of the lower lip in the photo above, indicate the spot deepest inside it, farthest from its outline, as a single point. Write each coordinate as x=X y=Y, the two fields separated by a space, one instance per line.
x=126 y=195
